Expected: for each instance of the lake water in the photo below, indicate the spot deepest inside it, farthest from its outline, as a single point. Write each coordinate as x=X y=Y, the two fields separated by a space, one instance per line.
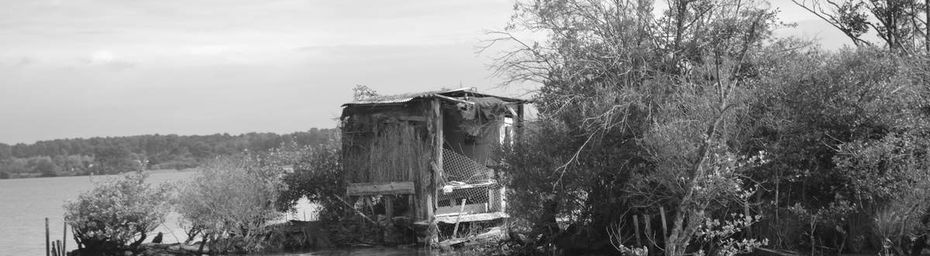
x=25 y=203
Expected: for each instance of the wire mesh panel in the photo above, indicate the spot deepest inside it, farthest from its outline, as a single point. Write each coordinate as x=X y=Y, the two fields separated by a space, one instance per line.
x=468 y=186
x=461 y=169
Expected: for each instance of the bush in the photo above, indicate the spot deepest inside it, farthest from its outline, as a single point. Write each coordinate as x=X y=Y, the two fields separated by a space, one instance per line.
x=117 y=214
x=229 y=202
x=318 y=177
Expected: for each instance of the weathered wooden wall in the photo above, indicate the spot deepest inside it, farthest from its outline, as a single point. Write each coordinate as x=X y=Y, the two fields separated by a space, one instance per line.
x=386 y=145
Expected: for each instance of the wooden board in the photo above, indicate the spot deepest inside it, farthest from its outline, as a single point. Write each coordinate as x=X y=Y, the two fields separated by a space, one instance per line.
x=453 y=187
x=386 y=188
x=450 y=219
x=454 y=209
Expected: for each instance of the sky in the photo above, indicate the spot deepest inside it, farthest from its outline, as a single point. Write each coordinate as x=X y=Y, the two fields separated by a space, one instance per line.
x=88 y=68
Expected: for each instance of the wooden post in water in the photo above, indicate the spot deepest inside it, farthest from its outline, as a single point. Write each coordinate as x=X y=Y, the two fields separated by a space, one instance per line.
x=47 y=242
x=64 y=237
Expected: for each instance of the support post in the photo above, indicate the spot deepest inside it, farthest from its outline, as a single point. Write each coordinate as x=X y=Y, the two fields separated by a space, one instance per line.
x=64 y=237
x=636 y=228
x=427 y=179
x=389 y=206
x=48 y=246
x=664 y=226
x=647 y=223
x=455 y=230
x=518 y=124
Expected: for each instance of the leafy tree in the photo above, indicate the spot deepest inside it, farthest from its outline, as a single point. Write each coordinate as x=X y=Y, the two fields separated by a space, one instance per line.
x=114 y=159
x=117 y=214
x=230 y=201
x=317 y=176
x=842 y=131
x=46 y=167
x=6 y=151
x=649 y=104
x=902 y=25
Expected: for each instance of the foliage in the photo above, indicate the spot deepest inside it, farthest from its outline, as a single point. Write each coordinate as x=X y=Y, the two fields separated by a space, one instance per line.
x=230 y=201
x=116 y=154
x=529 y=170
x=117 y=214
x=317 y=176
x=647 y=105
x=902 y=25
x=720 y=235
x=362 y=92
x=890 y=179
x=844 y=132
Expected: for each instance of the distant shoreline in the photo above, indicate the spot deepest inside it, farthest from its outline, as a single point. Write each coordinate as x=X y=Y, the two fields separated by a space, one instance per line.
x=38 y=176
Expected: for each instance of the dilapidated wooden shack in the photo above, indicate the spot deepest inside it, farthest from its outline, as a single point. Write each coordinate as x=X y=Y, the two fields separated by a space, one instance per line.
x=430 y=156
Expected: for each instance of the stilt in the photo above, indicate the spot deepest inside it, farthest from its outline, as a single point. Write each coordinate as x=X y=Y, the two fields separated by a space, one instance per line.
x=48 y=249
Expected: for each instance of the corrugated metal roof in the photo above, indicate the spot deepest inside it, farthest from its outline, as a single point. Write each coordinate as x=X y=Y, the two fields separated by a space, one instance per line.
x=403 y=98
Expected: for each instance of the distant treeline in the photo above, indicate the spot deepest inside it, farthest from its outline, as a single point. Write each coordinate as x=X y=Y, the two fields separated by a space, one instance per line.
x=108 y=155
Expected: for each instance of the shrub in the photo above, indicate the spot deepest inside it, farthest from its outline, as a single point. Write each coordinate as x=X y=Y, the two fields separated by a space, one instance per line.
x=230 y=201
x=117 y=214
x=318 y=177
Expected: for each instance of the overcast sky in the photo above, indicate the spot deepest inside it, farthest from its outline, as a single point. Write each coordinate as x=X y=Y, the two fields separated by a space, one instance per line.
x=85 y=68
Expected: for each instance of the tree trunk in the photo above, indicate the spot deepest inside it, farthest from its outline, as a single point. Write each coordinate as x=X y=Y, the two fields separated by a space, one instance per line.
x=688 y=210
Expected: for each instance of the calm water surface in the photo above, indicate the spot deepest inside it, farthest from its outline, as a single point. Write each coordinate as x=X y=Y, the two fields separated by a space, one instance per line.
x=25 y=203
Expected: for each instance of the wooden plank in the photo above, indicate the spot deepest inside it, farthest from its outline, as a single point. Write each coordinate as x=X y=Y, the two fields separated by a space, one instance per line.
x=450 y=219
x=469 y=208
x=385 y=188
x=412 y=118
x=454 y=99
x=453 y=187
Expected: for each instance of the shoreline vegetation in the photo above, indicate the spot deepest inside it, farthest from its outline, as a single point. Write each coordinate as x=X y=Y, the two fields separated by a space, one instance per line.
x=111 y=155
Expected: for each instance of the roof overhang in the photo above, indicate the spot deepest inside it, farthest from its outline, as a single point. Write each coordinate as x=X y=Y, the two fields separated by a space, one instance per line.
x=460 y=95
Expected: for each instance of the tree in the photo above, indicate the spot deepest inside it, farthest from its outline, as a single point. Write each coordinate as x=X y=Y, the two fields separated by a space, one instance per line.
x=46 y=167
x=117 y=214
x=6 y=152
x=902 y=25
x=650 y=103
x=230 y=201
x=115 y=159
x=827 y=121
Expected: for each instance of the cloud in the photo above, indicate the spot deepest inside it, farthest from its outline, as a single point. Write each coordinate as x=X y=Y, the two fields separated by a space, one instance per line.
x=102 y=57
x=109 y=60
